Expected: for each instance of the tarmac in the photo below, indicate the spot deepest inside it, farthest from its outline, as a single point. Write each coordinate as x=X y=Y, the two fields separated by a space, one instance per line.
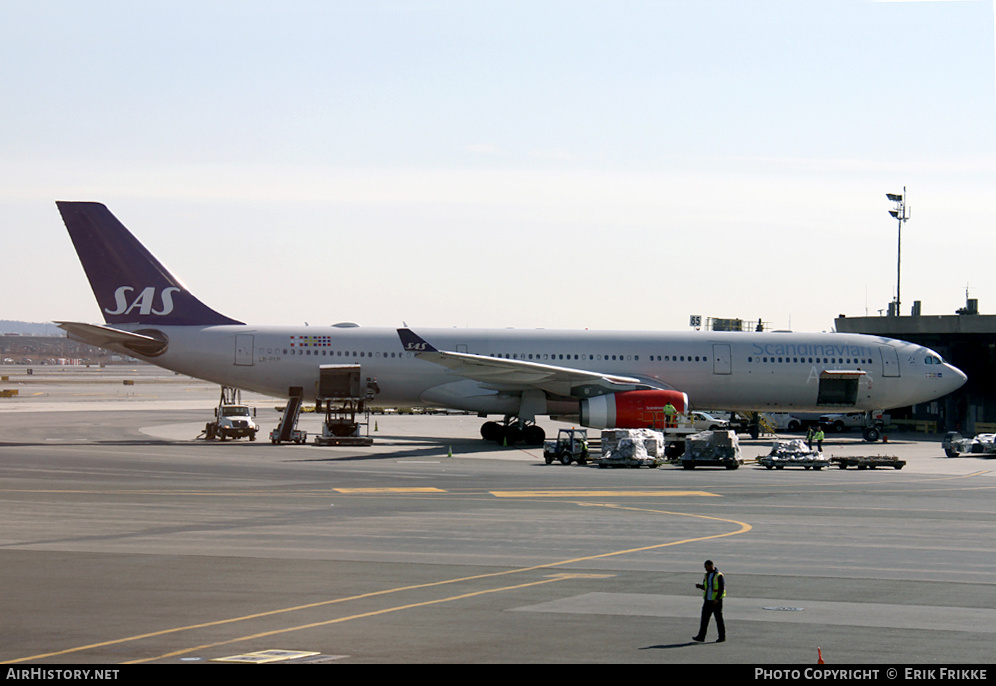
x=127 y=539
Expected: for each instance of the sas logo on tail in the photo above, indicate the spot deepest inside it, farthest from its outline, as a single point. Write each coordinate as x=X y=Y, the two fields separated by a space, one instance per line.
x=144 y=301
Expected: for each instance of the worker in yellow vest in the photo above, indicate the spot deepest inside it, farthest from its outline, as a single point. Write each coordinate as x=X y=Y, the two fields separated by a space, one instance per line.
x=669 y=412
x=713 y=591
x=818 y=437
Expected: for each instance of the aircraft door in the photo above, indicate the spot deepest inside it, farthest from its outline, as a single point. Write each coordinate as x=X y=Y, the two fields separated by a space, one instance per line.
x=244 y=349
x=721 y=359
x=890 y=361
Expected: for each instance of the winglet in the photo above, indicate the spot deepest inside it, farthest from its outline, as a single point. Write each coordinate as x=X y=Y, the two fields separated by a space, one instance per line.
x=412 y=342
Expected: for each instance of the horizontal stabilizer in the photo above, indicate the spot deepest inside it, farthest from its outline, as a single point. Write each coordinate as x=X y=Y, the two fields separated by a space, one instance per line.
x=113 y=339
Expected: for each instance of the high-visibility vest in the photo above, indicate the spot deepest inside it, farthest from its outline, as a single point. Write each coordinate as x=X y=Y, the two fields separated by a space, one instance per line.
x=711 y=590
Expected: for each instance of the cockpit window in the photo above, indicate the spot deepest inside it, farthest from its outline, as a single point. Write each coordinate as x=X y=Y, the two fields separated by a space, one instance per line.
x=933 y=359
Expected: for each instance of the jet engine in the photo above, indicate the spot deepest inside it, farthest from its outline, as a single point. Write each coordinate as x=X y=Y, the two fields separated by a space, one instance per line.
x=630 y=409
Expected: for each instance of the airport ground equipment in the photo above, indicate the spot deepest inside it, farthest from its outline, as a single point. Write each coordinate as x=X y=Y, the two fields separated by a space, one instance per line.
x=704 y=421
x=232 y=419
x=712 y=449
x=955 y=444
x=869 y=462
x=872 y=424
x=571 y=446
x=287 y=430
x=794 y=453
x=631 y=448
x=751 y=423
x=783 y=421
x=347 y=414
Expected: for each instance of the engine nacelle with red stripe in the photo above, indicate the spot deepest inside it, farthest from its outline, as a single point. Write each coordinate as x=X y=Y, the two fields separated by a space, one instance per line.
x=631 y=409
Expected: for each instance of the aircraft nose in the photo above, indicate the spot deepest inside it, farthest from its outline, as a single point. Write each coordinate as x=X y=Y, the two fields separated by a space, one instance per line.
x=958 y=378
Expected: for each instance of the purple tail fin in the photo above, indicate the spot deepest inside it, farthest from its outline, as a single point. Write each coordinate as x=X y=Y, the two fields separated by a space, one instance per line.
x=131 y=285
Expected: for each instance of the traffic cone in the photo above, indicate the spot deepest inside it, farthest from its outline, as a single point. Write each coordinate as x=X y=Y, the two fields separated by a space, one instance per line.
x=820 y=660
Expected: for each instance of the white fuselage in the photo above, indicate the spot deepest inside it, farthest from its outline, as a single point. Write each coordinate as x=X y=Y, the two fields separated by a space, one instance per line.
x=728 y=371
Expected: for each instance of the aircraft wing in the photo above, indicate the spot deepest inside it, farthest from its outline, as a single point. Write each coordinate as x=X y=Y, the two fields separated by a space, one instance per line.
x=504 y=374
x=112 y=339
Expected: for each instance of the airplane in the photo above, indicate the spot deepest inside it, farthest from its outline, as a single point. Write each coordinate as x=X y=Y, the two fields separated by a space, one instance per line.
x=601 y=379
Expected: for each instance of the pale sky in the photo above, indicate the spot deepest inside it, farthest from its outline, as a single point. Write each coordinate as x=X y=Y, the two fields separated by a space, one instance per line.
x=568 y=164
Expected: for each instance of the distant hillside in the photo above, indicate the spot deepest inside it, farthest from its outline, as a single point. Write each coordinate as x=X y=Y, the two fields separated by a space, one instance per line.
x=30 y=328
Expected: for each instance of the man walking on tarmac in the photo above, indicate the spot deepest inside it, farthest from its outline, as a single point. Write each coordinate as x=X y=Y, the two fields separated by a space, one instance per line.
x=713 y=591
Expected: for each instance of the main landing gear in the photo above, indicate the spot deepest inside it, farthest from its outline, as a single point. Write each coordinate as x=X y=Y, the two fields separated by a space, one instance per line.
x=513 y=430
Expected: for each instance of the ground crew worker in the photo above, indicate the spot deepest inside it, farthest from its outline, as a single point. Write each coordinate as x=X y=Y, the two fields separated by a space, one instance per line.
x=809 y=438
x=713 y=591
x=669 y=413
x=818 y=437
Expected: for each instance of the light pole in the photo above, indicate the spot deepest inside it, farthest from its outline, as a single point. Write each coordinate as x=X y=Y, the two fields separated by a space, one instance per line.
x=901 y=214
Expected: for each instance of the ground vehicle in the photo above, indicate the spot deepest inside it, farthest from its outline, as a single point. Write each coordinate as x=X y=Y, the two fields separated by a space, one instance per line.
x=632 y=448
x=712 y=449
x=868 y=462
x=703 y=421
x=870 y=423
x=955 y=444
x=571 y=446
x=839 y=423
x=783 y=421
x=794 y=453
x=232 y=419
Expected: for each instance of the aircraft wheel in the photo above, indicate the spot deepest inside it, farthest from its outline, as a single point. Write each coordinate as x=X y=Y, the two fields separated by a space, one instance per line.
x=534 y=435
x=490 y=431
x=871 y=434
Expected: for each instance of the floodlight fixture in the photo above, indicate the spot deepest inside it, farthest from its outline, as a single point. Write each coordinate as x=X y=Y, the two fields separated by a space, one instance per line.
x=901 y=214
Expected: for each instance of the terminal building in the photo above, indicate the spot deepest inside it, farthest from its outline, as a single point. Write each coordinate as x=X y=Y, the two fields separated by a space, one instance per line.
x=967 y=340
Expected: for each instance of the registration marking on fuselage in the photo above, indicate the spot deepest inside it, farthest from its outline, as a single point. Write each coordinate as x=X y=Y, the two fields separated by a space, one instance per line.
x=599 y=494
